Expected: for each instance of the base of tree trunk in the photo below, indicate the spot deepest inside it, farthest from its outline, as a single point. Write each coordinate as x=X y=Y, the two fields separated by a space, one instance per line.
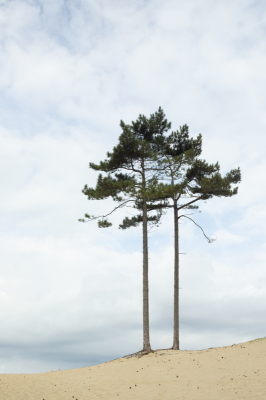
x=139 y=354
x=146 y=350
x=143 y=353
x=175 y=347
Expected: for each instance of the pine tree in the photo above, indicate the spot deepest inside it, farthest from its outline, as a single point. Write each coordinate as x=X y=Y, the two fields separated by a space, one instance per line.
x=149 y=158
x=137 y=152
x=191 y=180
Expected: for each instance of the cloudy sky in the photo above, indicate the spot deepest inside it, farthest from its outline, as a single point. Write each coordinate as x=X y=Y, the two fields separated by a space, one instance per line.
x=70 y=293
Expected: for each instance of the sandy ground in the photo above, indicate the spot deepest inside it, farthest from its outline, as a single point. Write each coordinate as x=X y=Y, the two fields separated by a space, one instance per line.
x=232 y=372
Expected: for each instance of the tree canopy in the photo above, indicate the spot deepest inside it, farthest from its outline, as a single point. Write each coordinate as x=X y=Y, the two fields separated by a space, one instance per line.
x=147 y=169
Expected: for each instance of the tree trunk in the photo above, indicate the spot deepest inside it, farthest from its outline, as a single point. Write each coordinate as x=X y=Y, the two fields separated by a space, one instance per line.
x=176 y=281
x=146 y=329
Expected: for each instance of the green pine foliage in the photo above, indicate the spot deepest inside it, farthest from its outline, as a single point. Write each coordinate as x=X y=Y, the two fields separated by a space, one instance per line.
x=138 y=150
x=191 y=179
x=152 y=172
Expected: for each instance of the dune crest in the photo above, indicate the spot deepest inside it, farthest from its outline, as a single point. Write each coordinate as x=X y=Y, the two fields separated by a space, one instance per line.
x=231 y=372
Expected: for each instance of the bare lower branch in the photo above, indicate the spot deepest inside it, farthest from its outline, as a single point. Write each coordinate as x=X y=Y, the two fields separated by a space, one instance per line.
x=209 y=240
x=104 y=216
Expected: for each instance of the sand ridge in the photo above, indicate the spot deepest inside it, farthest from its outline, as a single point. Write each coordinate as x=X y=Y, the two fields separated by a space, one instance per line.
x=231 y=372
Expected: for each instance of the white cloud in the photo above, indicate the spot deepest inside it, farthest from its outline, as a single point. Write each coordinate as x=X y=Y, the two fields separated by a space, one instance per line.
x=225 y=237
x=70 y=72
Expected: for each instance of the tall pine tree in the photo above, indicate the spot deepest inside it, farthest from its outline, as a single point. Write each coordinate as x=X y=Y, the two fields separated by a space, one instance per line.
x=191 y=180
x=139 y=149
x=149 y=159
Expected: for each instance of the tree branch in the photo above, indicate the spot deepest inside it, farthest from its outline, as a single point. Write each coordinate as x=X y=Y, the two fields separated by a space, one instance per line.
x=209 y=240
x=104 y=216
x=187 y=204
x=133 y=169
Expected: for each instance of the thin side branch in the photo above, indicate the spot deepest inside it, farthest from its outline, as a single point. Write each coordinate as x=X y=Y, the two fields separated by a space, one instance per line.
x=209 y=240
x=104 y=216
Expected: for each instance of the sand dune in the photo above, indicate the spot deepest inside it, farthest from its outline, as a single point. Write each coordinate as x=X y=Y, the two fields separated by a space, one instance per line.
x=232 y=372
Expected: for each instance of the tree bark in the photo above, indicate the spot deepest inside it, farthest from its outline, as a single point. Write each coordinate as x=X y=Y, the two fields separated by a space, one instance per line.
x=146 y=329
x=176 y=281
